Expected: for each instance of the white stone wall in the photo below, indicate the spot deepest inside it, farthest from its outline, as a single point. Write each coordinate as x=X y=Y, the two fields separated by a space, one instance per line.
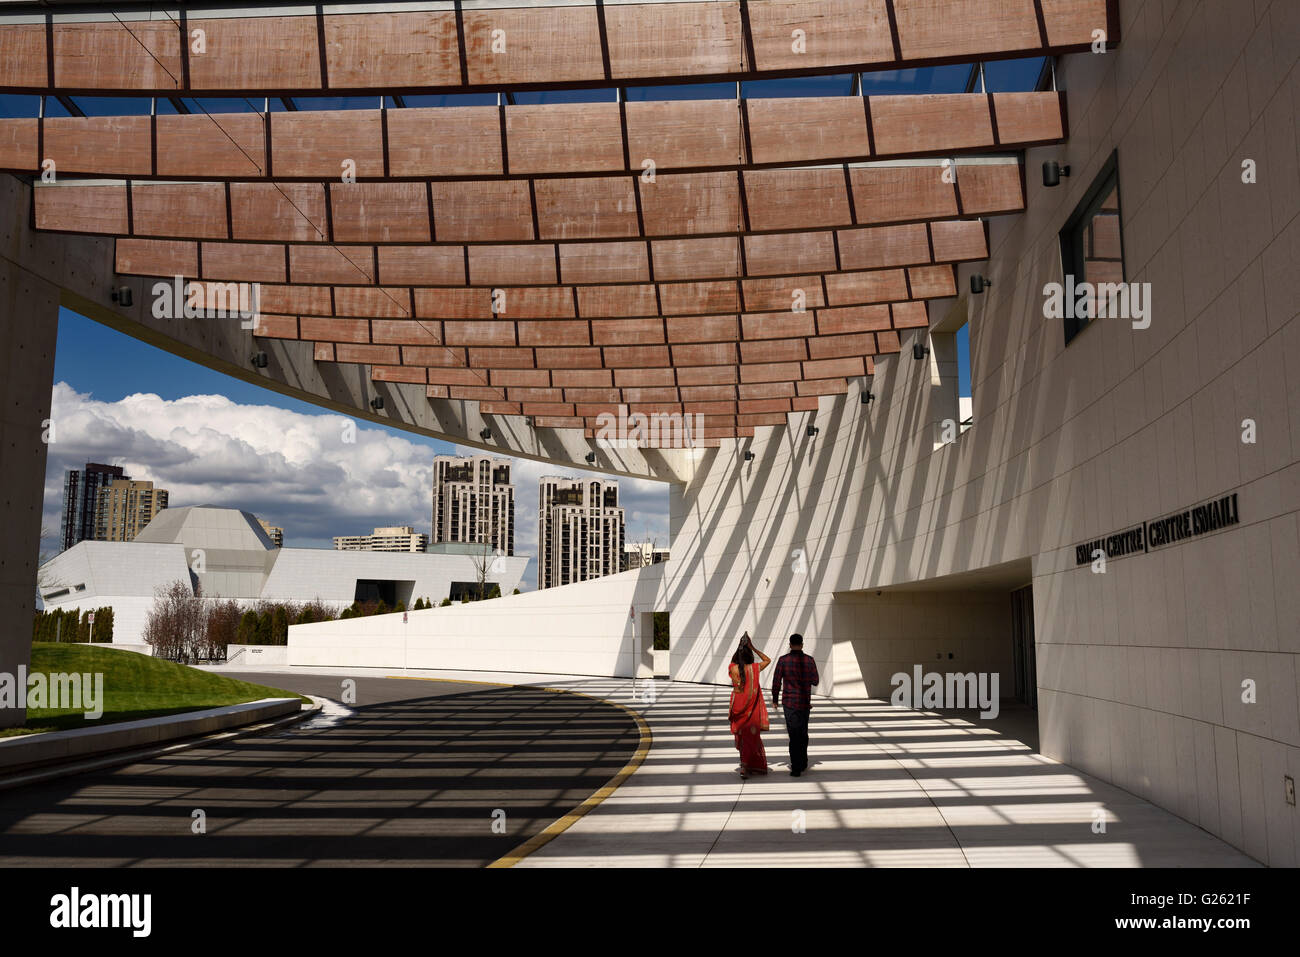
x=303 y=573
x=878 y=636
x=587 y=628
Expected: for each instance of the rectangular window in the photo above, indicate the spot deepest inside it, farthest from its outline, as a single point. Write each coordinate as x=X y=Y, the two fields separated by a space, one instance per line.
x=1092 y=247
x=965 y=408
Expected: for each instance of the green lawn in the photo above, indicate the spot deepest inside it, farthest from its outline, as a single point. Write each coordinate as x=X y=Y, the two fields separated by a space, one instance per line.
x=135 y=686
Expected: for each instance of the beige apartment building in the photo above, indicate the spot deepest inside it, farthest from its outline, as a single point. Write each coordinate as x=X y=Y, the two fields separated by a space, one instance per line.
x=125 y=507
x=474 y=501
x=579 y=530
x=390 y=538
x=274 y=532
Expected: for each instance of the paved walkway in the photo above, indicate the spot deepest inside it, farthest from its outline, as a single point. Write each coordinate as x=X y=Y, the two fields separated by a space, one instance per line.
x=414 y=773
x=887 y=788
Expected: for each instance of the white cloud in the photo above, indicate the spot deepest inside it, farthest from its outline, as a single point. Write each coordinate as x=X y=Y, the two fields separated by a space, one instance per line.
x=290 y=468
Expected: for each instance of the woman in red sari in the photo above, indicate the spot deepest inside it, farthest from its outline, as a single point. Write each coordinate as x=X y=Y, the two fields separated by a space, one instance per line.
x=748 y=709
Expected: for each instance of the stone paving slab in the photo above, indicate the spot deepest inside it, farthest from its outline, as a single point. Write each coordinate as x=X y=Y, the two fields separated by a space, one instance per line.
x=887 y=788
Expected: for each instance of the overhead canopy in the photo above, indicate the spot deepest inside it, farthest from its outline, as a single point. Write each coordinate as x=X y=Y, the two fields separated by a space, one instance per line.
x=735 y=258
x=451 y=46
x=560 y=139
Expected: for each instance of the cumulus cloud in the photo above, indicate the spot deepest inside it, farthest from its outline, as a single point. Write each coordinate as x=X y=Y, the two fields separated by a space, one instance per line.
x=293 y=469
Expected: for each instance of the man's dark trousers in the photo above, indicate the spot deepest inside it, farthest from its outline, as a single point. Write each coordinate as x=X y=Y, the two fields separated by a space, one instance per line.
x=796 y=723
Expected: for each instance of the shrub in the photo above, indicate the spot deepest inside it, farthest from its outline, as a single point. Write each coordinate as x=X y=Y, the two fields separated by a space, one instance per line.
x=224 y=623
x=279 y=625
x=247 y=633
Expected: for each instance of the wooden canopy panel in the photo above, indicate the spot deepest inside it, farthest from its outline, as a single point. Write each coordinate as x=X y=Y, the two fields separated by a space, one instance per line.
x=656 y=306
x=735 y=372
x=633 y=264
x=537 y=141
x=729 y=259
x=712 y=204
x=400 y=47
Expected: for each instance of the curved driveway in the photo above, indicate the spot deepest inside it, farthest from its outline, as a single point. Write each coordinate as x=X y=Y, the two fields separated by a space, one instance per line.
x=422 y=772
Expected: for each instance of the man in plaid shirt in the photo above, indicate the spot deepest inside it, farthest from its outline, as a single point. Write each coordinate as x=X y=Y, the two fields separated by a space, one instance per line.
x=798 y=673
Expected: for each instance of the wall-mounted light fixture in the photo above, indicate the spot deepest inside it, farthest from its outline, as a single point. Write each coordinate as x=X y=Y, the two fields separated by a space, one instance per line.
x=978 y=283
x=485 y=434
x=121 y=296
x=812 y=430
x=749 y=456
x=377 y=403
x=919 y=351
x=259 y=360
x=867 y=397
x=591 y=458
x=1052 y=173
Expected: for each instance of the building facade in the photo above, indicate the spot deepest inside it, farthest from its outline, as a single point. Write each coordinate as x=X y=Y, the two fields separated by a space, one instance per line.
x=224 y=553
x=474 y=502
x=641 y=554
x=125 y=507
x=389 y=538
x=579 y=530
x=274 y=532
x=81 y=489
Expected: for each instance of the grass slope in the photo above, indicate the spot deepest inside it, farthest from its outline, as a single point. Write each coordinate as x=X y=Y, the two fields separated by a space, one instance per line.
x=135 y=686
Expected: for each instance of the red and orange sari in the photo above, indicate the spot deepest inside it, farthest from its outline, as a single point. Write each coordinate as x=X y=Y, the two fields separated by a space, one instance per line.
x=748 y=717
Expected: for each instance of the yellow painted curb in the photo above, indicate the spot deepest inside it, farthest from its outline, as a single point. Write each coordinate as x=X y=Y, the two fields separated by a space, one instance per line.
x=556 y=828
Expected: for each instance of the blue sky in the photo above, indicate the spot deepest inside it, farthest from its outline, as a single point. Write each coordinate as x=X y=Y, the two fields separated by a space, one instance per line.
x=963 y=360
x=94 y=358
x=999 y=76
x=212 y=439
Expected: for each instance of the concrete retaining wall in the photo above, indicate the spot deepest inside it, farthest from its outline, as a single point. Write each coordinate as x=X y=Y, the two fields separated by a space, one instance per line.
x=54 y=746
x=254 y=655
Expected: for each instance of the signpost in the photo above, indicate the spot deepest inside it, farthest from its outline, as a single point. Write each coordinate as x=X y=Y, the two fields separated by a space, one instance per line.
x=90 y=617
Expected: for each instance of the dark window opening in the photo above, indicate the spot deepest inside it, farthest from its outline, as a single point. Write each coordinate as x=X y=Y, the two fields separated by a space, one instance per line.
x=1092 y=246
x=388 y=591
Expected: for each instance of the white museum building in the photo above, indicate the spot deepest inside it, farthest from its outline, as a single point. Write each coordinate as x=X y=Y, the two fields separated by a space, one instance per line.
x=225 y=554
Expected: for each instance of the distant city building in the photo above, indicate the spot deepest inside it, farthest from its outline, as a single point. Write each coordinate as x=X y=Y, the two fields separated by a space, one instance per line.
x=390 y=538
x=81 y=501
x=579 y=530
x=125 y=507
x=641 y=554
x=274 y=532
x=474 y=502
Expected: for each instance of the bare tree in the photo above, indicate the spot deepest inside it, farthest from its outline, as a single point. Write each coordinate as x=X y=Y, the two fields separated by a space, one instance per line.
x=176 y=627
x=644 y=559
x=485 y=563
x=46 y=580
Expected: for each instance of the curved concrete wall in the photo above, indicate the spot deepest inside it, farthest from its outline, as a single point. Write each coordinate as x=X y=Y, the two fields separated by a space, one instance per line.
x=596 y=627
